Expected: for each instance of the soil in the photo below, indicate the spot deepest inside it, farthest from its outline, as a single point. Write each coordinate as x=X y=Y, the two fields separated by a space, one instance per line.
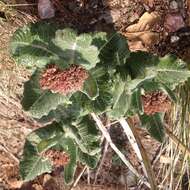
x=84 y=15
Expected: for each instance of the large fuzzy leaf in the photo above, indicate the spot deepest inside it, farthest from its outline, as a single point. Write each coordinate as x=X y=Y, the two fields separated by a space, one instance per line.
x=87 y=129
x=90 y=88
x=139 y=62
x=102 y=102
x=172 y=71
x=77 y=49
x=69 y=170
x=39 y=102
x=46 y=137
x=115 y=51
x=136 y=101
x=32 y=164
x=40 y=44
x=99 y=39
x=90 y=161
x=121 y=103
x=63 y=112
x=154 y=125
x=85 y=134
x=32 y=46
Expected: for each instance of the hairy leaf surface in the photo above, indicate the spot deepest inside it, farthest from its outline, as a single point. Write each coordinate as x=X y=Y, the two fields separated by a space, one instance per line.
x=154 y=125
x=40 y=102
x=40 y=44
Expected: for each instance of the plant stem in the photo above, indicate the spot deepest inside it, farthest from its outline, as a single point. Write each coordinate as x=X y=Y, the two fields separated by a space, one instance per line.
x=128 y=131
x=21 y=5
x=136 y=143
x=117 y=151
x=78 y=178
x=102 y=161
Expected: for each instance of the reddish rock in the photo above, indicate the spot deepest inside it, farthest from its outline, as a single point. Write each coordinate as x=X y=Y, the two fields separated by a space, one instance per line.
x=173 y=22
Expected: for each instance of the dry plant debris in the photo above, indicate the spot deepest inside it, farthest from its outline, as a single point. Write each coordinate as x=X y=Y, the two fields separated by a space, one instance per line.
x=141 y=32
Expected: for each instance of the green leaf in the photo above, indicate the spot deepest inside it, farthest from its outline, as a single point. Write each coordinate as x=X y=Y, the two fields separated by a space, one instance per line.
x=46 y=137
x=90 y=161
x=168 y=91
x=99 y=39
x=121 y=107
x=40 y=102
x=49 y=131
x=90 y=88
x=123 y=71
x=32 y=164
x=151 y=86
x=136 y=102
x=32 y=46
x=77 y=49
x=121 y=100
x=85 y=134
x=63 y=112
x=87 y=129
x=103 y=100
x=154 y=125
x=41 y=43
x=69 y=170
x=115 y=51
x=139 y=62
x=47 y=144
x=138 y=83
x=45 y=103
x=172 y=71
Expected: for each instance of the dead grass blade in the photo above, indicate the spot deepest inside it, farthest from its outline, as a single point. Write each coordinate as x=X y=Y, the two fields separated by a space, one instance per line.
x=184 y=149
x=78 y=178
x=135 y=141
x=117 y=151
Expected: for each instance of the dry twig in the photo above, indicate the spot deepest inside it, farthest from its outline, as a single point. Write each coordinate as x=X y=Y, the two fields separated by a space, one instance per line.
x=135 y=141
x=117 y=151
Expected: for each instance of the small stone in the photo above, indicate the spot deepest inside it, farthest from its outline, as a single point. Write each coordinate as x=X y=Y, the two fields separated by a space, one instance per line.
x=174 y=39
x=174 y=5
x=173 y=22
x=45 y=9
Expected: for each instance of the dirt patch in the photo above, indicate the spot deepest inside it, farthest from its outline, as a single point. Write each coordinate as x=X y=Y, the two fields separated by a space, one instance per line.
x=84 y=15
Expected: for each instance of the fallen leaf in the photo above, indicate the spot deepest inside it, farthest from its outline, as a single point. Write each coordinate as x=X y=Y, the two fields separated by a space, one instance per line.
x=141 y=34
x=136 y=46
x=147 y=38
x=145 y=23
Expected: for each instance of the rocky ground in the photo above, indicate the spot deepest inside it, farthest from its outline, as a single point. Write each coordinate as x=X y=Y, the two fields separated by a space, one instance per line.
x=149 y=26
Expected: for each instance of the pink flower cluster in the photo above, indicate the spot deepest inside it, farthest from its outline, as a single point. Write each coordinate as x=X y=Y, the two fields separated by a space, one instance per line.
x=63 y=81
